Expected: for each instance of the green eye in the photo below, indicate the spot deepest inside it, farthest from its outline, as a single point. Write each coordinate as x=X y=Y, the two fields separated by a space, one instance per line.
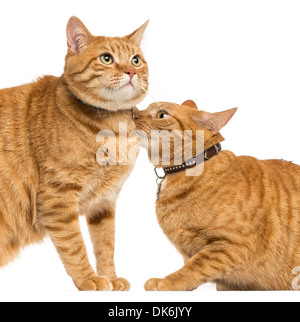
x=107 y=59
x=136 y=61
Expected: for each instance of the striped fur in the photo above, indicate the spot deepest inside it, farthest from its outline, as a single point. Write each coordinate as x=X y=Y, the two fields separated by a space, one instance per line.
x=236 y=225
x=48 y=170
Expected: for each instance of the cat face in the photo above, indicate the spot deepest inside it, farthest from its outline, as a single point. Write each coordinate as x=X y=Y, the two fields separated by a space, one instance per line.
x=106 y=72
x=195 y=128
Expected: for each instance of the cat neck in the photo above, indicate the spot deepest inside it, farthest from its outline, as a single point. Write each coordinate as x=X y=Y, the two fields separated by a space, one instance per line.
x=179 y=178
x=102 y=108
x=182 y=183
x=193 y=162
x=212 y=147
x=88 y=119
x=214 y=140
x=92 y=107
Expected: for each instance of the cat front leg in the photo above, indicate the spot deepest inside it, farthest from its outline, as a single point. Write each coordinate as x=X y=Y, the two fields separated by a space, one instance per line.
x=213 y=262
x=62 y=225
x=101 y=225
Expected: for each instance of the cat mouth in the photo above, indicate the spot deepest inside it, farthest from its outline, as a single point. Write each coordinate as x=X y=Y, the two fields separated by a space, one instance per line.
x=128 y=85
x=124 y=91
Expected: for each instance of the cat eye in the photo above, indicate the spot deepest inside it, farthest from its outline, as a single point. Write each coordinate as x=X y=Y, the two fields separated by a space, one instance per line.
x=136 y=61
x=162 y=115
x=107 y=59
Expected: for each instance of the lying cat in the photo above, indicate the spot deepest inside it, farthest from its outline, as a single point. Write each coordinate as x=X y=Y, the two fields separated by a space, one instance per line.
x=237 y=224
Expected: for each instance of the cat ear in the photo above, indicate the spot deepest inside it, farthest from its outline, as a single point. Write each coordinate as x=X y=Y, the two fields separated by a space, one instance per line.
x=191 y=104
x=214 y=122
x=137 y=36
x=77 y=34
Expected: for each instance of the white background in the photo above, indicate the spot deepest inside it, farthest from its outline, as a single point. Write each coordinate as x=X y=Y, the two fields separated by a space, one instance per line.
x=222 y=54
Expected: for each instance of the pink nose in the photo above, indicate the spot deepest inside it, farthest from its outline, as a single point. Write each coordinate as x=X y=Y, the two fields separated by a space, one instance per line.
x=131 y=73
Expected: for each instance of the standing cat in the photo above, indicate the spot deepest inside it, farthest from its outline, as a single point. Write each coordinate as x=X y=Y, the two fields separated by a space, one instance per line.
x=238 y=224
x=48 y=169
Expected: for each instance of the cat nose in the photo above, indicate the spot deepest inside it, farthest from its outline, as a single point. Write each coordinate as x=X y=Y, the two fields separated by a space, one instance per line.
x=131 y=73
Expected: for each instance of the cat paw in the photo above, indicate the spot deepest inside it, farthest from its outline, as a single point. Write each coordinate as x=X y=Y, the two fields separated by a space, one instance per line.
x=158 y=284
x=96 y=284
x=120 y=284
x=153 y=284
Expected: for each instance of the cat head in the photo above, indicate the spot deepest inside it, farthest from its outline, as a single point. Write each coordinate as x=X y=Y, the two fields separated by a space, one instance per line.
x=106 y=72
x=196 y=129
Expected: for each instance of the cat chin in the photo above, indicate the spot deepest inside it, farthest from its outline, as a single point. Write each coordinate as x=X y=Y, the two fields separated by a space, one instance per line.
x=121 y=94
x=114 y=106
x=124 y=98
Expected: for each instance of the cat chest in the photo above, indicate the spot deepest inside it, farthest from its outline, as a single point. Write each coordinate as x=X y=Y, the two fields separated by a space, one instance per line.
x=117 y=146
x=99 y=169
x=182 y=233
x=180 y=222
x=103 y=187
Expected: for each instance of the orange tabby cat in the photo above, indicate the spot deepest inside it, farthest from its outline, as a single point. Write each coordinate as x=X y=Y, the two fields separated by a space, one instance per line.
x=48 y=144
x=236 y=225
